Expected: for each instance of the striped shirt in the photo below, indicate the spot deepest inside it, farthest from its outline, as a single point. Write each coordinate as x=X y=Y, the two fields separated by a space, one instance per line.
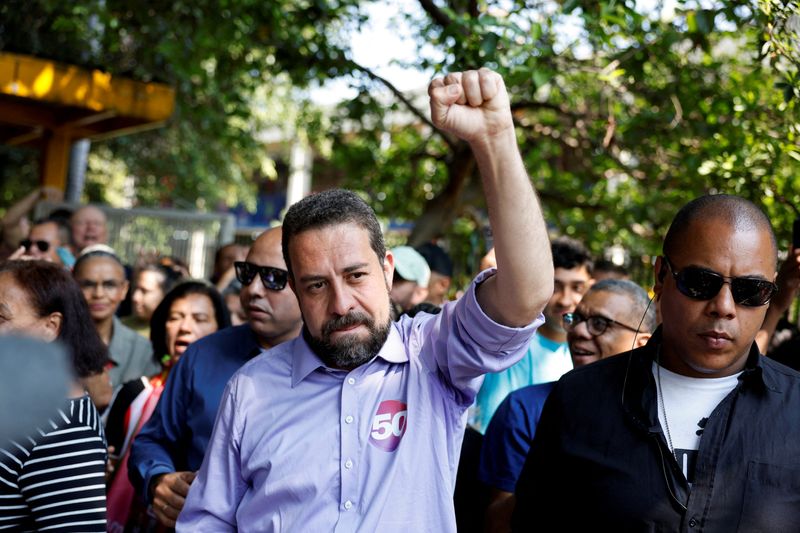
x=54 y=479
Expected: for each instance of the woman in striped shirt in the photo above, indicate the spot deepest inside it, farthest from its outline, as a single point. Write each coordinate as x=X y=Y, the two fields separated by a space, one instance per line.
x=53 y=478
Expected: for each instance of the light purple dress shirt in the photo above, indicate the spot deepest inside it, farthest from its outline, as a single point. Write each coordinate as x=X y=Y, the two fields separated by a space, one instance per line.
x=298 y=446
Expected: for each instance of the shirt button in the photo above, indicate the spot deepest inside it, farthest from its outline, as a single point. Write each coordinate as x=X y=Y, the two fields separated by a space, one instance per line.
x=351 y=381
x=348 y=419
x=348 y=504
x=692 y=522
x=348 y=464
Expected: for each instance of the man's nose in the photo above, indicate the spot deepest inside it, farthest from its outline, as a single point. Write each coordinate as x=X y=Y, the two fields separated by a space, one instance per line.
x=722 y=305
x=581 y=330
x=341 y=300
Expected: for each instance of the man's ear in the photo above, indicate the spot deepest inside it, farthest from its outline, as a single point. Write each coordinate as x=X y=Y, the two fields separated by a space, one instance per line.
x=388 y=268
x=641 y=339
x=443 y=285
x=420 y=293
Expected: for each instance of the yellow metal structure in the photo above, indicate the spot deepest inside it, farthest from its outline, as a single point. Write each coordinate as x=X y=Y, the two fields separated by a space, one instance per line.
x=50 y=105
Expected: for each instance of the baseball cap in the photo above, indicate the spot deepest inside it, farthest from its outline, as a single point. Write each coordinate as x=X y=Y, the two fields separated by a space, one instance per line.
x=411 y=266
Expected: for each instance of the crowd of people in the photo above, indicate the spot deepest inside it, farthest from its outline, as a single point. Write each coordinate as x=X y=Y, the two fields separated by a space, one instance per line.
x=318 y=381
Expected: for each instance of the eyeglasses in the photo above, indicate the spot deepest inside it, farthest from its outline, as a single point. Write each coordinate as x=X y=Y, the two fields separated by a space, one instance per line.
x=703 y=284
x=596 y=324
x=108 y=285
x=43 y=246
x=272 y=278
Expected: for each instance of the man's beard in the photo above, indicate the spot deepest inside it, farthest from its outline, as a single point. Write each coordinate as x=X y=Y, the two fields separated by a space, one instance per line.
x=350 y=351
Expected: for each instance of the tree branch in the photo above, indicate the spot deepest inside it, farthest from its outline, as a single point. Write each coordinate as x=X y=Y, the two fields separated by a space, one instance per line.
x=521 y=105
x=439 y=16
x=400 y=96
x=473 y=9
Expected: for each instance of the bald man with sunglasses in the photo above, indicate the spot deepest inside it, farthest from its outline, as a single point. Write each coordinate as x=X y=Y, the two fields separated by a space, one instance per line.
x=169 y=449
x=696 y=431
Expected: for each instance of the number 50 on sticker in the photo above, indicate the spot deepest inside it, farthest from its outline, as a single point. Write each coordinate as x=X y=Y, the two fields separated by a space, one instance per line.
x=389 y=425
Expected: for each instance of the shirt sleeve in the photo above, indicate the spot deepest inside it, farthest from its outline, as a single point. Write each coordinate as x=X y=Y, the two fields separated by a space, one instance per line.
x=219 y=487
x=157 y=444
x=462 y=343
x=62 y=480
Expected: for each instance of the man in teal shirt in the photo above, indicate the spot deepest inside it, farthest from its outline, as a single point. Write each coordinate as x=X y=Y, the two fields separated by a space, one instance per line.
x=548 y=355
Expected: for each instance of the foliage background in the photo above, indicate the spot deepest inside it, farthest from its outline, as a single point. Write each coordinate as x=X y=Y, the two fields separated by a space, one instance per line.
x=625 y=110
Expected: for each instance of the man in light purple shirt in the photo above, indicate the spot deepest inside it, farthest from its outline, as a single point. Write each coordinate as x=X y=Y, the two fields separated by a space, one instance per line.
x=357 y=424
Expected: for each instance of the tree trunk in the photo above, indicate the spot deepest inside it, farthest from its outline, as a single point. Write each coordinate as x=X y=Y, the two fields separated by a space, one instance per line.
x=440 y=212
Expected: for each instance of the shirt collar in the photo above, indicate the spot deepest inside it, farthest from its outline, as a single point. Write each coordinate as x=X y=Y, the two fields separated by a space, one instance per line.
x=638 y=391
x=305 y=361
x=753 y=373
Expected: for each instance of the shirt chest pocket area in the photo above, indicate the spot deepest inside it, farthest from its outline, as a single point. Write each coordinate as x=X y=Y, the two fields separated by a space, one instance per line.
x=771 y=499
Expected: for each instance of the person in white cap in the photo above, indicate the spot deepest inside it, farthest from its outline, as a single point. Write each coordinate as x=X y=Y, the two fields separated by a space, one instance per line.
x=411 y=277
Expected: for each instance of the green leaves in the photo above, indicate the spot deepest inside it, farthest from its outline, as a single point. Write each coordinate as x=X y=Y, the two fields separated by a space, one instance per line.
x=623 y=114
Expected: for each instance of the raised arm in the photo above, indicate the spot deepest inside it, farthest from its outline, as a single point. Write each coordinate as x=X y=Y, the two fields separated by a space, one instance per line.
x=788 y=284
x=474 y=106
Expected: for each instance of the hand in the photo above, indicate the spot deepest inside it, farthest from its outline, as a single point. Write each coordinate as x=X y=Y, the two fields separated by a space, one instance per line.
x=169 y=496
x=19 y=254
x=472 y=105
x=788 y=280
x=111 y=464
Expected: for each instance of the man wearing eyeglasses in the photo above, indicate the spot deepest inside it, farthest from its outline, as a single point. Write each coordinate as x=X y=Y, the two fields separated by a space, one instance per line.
x=694 y=431
x=170 y=447
x=614 y=316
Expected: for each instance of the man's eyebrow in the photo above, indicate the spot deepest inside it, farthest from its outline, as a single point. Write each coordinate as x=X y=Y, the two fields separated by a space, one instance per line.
x=311 y=277
x=353 y=268
x=749 y=276
x=346 y=270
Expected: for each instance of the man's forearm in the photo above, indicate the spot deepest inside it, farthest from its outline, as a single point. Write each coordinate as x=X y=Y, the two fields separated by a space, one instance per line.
x=522 y=247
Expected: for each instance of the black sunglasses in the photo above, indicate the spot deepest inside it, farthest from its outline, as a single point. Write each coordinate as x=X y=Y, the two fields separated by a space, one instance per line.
x=43 y=246
x=272 y=278
x=596 y=324
x=703 y=284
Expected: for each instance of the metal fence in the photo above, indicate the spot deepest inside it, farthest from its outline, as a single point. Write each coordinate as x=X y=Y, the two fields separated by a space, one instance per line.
x=189 y=236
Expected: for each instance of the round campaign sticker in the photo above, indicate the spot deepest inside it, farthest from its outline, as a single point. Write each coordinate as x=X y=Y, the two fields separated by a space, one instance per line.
x=389 y=425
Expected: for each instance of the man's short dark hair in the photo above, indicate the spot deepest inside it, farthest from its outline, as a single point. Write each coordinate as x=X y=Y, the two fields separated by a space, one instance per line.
x=328 y=208
x=615 y=271
x=62 y=227
x=438 y=260
x=569 y=254
x=639 y=311
x=737 y=212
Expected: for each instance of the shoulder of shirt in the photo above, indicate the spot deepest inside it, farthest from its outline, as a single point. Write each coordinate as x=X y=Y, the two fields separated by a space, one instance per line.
x=277 y=355
x=531 y=393
x=551 y=346
x=234 y=339
x=124 y=333
x=67 y=415
x=780 y=371
x=405 y=325
x=592 y=374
